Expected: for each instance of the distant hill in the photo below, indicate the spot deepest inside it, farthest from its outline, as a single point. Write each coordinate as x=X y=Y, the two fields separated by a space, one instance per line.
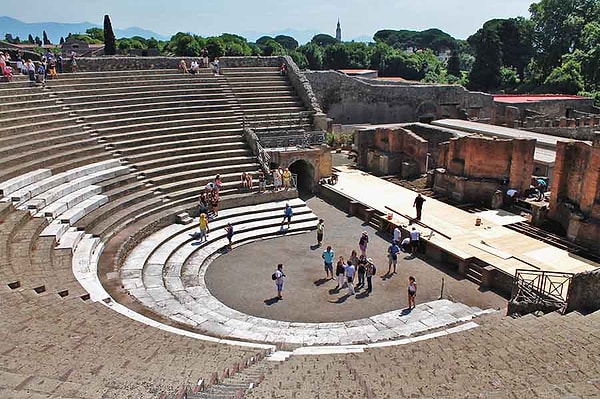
x=56 y=30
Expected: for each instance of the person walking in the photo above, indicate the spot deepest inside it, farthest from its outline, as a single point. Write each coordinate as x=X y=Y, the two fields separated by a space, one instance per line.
x=340 y=273
x=320 y=231
x=203 y=225
x=397 y=235
x=287 y=179
x=363 y=242
x=415 y=237
x=229 y=234
x=418 y=204
x=393 y=251
x=412 y=292
x=328 y=256
x=370 y=271
x=287 y=215
x=279 y=278
x=350 y=271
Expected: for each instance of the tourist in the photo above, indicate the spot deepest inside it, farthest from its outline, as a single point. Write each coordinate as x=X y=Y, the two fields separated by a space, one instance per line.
x=540 y=185
x=353 y=257
x=203 y=225
x=415 y=237
x=202 y=204
x=287 y=215
x=370 y=271
x=60 y=64
x=418 y=204
x=397 y=234
x=52 y=68
x=350 y=271
x=19 y=59
x=73 y=62
x=30 y=70
x=244 y=181
x=262 y=184
x=249 y=182
x=216 y=66
x=279 y=279
x=283 y=69
x=183 y=66
x=276 y=180
x=287 y=179
x=209 y=188
x=393 y=257
x=361 y=270
x=7 y=72
x=320 y=231
x=218 y=183
x=214 y=202
x=204 y=58
x=363 y=242
x=412 y=292
x=41 y=75
x=229 y=235
x=340 y=272
x=328 y=256
x=194 y=67
x=405 y=244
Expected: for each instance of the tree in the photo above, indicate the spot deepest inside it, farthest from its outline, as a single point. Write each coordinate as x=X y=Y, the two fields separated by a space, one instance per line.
x=313 y=54
x=566 y=78
x=96 y=34
x=45 y=39
x=271 y=47
x=8 y=38
x=485 y=74
x=152 y=43
x=557 y=27
x=62 y=40
x=335 y=56
x=287 y=42
x=110 y=43
x=30 y=39
x=38 y=41
x=453 y=66
x=215 y=47
x=323 y=40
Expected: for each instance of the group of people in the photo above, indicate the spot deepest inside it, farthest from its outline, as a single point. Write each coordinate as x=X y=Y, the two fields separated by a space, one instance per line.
x=361 y=267
x=202 y=62
x=48 y=67
x=208 y=202
x=282 y=180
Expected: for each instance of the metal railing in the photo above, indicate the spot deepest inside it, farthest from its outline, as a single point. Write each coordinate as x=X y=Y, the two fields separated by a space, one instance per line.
x=292 y=139
x=541 y=287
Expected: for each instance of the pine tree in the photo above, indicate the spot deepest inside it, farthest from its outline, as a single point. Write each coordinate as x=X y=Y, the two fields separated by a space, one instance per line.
x=38 y=41
x=62 y=40
x=110 y=43
x=30 y=39
x=453 y=66
x=45 y=39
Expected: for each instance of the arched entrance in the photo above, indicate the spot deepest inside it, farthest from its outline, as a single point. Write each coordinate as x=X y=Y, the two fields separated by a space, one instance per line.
x=306 y=175
x=427 y=112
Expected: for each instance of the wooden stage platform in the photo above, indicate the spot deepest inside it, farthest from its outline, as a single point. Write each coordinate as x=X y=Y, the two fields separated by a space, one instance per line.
x=491 y=242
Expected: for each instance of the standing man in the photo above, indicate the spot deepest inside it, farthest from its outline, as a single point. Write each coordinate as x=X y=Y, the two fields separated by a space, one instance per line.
x=350 y=270
x=229 y=232
x=328 y=256
x=415 y=237
x=320 y=230
x=279 y=278
x=287 y=215
x=419 y=205
x=393 y=257
x=397 y=235
x=369 y=273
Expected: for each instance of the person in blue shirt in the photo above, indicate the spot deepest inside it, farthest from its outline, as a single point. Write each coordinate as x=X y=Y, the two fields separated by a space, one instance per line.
x=328 y=256
x=287 y=215
x=541 y=186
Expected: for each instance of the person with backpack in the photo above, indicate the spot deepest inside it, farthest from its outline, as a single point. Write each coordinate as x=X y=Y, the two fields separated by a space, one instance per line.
x=393 y=251
x=278 y=276
x=370 y=271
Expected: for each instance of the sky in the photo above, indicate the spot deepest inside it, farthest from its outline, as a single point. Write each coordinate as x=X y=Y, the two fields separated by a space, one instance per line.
x=358 y=18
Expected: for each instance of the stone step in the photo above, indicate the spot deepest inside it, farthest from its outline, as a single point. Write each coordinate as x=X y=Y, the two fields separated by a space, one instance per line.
x=70 y=239
x=165 y=111
x=48 y=183
x=170 y=128
x=9 y=186
x=84 y=90
x=180 y=146
x=56 y=229
x=34 y=126
x=103 y=84
x=27 y=119
x=61 y=205
x=190 y=152
x=187 y=173
x=149 y=141
x=16 y=140
x=194 y=161
x=165 y=121
x=30 y=151
x=148 y=93
x=72 y=215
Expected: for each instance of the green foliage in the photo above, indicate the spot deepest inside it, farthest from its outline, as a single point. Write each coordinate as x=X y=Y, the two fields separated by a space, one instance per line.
x=30 y=39
x=485 y=74
x=509 y=78
x=453 y=65
x=45 y=39
x=287 y=42
x=566 y=79
x=110 y=42
x=313 y=54
x=96 y=33
x=434 y=39
x=323 y=40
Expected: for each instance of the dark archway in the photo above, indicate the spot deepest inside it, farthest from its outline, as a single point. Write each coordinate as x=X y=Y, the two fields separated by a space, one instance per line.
x=306 y=175
x=427 y=112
